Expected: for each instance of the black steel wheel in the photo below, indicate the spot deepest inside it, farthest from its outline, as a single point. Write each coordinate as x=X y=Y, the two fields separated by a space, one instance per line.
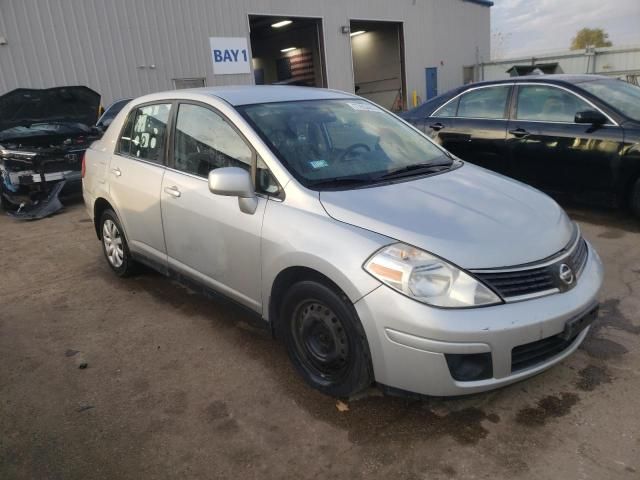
x=320 y=339
x=325 y=339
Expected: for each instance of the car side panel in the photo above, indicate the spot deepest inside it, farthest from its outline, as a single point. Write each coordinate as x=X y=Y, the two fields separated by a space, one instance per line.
x=210 y=240
x=291 y=238
x=479 y=141
x=134 y=188
x=629 y=171
x=561 y=157
x=94 y=183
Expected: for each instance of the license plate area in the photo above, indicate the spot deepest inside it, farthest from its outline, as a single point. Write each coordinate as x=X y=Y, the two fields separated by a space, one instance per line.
x=576 y=325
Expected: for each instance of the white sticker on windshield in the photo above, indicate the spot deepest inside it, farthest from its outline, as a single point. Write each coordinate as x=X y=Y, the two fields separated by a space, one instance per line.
x=315 y=164
x=363 y=107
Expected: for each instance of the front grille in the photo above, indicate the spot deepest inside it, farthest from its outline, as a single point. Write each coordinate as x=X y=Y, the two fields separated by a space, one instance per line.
x=533 y=353
x=578 y=258
x=514 y=284
x=524 y=282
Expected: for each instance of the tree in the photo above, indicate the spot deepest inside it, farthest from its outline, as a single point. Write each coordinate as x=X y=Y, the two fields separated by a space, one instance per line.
x=596 y=37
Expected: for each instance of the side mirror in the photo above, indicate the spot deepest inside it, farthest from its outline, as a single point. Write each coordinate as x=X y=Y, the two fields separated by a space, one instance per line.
x=234 y=182
x=590 y=117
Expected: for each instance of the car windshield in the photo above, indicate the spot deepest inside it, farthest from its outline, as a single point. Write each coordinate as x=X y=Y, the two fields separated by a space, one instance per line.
x=342 y=141
x=621 y=95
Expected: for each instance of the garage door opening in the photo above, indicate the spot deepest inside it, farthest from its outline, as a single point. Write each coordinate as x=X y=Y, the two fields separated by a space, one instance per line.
x=377 y=50
x=287 y=51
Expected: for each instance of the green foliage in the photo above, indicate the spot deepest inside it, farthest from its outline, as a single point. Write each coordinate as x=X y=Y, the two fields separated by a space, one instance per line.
x=590 y=37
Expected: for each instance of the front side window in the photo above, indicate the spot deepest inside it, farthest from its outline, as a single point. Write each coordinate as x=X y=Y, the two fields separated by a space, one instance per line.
x=489 y=102
x=204 y=141
x=621 y=95
x=144 y=133
x=340 y=140
x=548 y=104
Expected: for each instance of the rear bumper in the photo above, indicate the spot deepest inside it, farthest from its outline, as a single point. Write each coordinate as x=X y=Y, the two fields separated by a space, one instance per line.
x=409 y=340
x=31 y=177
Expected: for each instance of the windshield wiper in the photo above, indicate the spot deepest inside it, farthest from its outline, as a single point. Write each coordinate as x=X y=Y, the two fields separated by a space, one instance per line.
x=415 y=169
x=339 y=181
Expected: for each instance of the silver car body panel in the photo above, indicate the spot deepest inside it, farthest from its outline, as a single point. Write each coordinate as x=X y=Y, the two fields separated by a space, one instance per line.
x=134 y=185
x=209 y=238
x=495 y=223
x=469 y=216
x=410 y=339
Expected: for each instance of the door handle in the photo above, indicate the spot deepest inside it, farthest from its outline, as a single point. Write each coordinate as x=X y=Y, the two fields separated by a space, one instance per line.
x=173 y=191
x=116 y=171
x=436 y=126
x=519 y=133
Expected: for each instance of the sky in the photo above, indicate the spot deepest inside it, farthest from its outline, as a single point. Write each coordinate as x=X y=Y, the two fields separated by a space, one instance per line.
x=521 y=27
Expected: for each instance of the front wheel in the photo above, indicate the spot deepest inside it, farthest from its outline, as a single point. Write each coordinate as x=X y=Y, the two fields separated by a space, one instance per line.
x=114 y=245
x=325 y=340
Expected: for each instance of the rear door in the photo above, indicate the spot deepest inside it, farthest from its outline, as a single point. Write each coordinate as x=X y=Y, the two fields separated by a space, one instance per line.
x=473 y=126
x=135 y=177
x=548 y=150
x=208 y=238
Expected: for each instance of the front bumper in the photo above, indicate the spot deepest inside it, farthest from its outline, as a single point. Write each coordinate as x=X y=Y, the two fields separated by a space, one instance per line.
x=408 y=340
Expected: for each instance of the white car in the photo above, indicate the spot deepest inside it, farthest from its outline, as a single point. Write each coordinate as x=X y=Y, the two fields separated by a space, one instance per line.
x=373 y=253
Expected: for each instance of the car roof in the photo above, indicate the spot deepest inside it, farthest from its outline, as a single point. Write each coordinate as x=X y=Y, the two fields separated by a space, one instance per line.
x=551 y=78
x=251 y=94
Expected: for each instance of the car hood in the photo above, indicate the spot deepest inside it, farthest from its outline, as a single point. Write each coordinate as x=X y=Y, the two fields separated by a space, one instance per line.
x=470 y=216
x=24 y=106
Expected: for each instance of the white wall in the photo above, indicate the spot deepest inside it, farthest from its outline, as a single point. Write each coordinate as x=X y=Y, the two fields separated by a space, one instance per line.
x=103 y=43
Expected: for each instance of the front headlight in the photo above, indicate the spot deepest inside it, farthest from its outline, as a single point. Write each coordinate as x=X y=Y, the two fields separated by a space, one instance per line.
x=427 y=278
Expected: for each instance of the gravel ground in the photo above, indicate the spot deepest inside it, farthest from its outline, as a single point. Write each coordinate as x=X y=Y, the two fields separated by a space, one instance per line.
x=180 y=386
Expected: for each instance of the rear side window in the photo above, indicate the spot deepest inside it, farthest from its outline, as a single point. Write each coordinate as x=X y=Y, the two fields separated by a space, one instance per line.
x=448 y=110
x=548 y=104
x=488 y=102
x=205 y=141
x=145 y=132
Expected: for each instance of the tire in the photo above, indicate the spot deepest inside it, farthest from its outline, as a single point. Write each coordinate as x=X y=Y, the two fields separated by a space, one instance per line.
x=325 y=339
x=634 y=198
x=114 y=245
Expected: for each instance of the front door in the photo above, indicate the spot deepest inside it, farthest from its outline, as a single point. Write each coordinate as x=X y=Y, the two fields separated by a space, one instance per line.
x=136 y=170
x=208 y=238
x=547 y=149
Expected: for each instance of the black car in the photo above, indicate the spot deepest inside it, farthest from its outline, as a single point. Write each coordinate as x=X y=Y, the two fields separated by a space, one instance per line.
x=568 y=134
x=43 y=136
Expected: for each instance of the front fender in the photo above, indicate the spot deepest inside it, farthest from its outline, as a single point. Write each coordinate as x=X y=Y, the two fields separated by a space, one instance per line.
x=293 y=237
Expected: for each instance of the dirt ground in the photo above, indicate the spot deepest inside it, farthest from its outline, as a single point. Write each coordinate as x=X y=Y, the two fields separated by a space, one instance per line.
x=180 y=386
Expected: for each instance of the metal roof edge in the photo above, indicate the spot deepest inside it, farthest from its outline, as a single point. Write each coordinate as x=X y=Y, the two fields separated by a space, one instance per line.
x=484 y=3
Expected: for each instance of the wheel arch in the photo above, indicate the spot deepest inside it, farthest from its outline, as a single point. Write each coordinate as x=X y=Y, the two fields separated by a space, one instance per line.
x=99 y=206
x=290 y=276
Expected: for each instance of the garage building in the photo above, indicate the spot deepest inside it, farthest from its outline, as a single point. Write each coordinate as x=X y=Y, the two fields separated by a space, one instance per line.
x=394 y=52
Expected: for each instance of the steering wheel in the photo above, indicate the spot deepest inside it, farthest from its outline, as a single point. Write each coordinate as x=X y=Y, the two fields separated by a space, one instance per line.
x=351 y=150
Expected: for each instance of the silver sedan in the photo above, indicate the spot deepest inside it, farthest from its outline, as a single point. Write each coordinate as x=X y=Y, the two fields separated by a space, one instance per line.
x=374 y=254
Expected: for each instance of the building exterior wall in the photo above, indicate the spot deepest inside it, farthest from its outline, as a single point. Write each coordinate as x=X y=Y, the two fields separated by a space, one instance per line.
x=613 y=61
x=125 y=48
